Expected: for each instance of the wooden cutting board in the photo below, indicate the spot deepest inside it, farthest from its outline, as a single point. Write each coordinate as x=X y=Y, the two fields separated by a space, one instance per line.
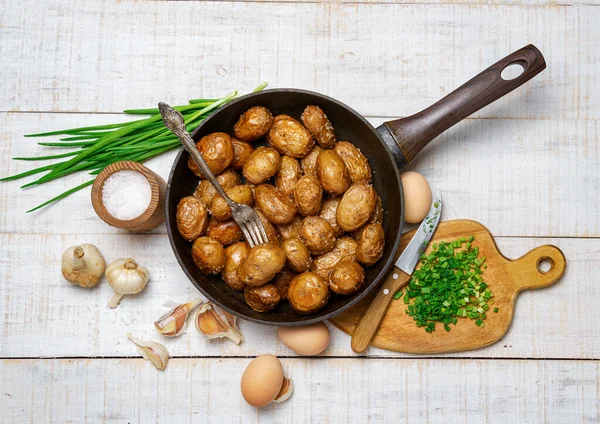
x=506 y=278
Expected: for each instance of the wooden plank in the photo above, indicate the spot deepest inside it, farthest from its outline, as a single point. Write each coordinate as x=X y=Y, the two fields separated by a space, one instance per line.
x=335 y=390
x=518 y=177
x=46 y=317
x=554 y=3
x=108 y=56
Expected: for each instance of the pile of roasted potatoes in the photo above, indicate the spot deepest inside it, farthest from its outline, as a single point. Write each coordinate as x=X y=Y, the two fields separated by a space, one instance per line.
x=322 y=216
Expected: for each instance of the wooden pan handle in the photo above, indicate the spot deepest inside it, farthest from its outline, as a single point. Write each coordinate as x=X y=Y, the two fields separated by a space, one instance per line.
x=414 y=132
x=369 y=322
x=527 y=271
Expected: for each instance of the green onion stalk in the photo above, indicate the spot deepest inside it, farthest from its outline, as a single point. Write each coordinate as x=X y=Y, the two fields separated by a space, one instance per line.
x=100 y=145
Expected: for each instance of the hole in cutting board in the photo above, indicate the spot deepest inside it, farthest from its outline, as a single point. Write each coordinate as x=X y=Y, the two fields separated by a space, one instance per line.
x=544 y=265
x=512 y=71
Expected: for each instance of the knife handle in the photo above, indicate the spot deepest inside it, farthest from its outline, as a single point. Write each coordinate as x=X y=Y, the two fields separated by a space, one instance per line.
x=369 y=322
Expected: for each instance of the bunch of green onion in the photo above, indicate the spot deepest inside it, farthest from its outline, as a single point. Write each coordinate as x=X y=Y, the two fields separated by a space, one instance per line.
x=96 y=147
x=447 y=286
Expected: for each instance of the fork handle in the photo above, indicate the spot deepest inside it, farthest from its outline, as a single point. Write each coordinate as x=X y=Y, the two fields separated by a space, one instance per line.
x=188 y=143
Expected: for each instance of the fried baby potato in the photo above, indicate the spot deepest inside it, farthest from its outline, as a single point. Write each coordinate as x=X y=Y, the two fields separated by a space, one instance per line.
x=253 y=124
x=308 y=293
x=240 y=193
x=317 y=123
x=241 y=153
x=192 y=218
x=356 y=207
x=205 y=190
x=290 y=230
x=347 y=278
x=262 y=264
x=356 y=163
x=289 y=137
x=332 y=173
x=377 y=217
x=262 y=165
x=298 y=255
x=217 y=151
x=208 y=255
x=308 y=195
x=234 y=256
x=277 y=207
x=225 y=232
x=370 y=244
x=344 y=250
x=282 y=282
x=262 y=299
x=288 y=175
x=378 y=212
x=272 y=233
x=328 y=213
x=317 y=234
x=309 y=162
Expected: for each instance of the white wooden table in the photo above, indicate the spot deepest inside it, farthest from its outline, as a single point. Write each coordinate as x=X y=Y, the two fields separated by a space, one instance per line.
x=528 y=167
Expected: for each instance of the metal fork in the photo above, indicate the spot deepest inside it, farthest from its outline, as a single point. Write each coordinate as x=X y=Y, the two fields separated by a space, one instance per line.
x=244 y=215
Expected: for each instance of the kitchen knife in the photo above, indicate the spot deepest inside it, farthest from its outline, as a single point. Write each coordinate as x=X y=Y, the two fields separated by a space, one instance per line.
x=405 y=265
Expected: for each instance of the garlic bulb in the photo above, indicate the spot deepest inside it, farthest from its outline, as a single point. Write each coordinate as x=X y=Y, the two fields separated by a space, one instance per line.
x=215 y=323
x=173 y=323
x=83 y=265
x=125 y=276
x=152 y=351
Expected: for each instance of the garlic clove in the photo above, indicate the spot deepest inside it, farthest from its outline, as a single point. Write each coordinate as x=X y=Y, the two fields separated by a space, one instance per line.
x=154 y=352
x=173 y=323
x=83 y=265
x=115 y=299
x=215 y=323
x=287 y=388
x=125 y=276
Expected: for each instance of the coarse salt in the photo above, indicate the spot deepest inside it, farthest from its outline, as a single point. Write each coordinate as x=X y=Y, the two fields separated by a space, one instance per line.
x=126 y=194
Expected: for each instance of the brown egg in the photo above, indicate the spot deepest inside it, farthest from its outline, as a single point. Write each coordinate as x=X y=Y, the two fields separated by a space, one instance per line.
x=305 y=340
x=262 y=380
x=417 y=197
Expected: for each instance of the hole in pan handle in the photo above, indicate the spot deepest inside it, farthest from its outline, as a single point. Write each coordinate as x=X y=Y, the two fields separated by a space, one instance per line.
x=413 y=133
x=512 y=71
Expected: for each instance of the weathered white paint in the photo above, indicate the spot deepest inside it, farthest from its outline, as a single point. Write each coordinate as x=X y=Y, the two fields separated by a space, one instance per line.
x=535 y=174
x=382 y=59
x=517 y=3
x=519 y=177
x=331 y=391
x=46 y=316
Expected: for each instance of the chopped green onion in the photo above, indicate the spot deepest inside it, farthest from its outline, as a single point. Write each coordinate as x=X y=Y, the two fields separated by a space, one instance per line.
x=447 y=286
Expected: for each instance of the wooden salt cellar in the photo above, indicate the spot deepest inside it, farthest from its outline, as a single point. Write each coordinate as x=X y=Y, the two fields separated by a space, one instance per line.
x=154 y=214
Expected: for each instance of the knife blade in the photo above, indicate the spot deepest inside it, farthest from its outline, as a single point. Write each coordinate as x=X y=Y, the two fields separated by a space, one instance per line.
x=371 y=319
x=417 y=245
